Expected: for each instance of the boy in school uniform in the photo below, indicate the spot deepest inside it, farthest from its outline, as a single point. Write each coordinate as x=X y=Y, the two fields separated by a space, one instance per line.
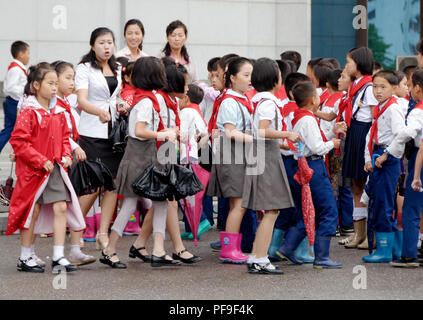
x=388 y=122
x=14 y=83
x=210 y=92
x=413 y=200
x=316 y=146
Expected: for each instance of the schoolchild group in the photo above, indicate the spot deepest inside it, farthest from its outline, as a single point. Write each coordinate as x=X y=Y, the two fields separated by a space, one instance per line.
x=358 y=128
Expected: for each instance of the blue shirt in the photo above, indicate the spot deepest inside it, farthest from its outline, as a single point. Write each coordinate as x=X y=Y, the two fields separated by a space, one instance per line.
x=230 y=112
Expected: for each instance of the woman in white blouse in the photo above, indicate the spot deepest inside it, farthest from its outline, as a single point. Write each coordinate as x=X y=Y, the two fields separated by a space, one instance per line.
x=98 y=82
x=134 y=35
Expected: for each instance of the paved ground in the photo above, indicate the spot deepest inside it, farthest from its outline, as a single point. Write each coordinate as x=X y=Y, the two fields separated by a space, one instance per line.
x=206 y=280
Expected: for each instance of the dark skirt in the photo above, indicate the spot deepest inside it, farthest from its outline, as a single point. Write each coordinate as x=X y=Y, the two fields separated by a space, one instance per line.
x=353 y=162
x=268 y=187
x=96 y=148
x=139 y=154
x=227 y=172
x=55 y=189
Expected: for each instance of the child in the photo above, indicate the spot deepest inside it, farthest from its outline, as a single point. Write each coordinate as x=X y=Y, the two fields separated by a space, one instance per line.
x=13 y=88
x=292 y=56
x=40 y=200
x=377 y=67
x=210 y=92
x=286 y=70
x=320 y=78
x=269 y=172
x=388 y=122
x=310 y=66
x=413 y=200
x=417 y=182
x=316 y=145
x=193 y=127
x=145 y=127
x=227 y=179
x=357 y=109
x=402 y=92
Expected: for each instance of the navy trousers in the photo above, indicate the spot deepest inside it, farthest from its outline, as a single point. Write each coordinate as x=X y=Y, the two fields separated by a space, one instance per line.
x=10 y=111
x=411 y=210
x=345 y=206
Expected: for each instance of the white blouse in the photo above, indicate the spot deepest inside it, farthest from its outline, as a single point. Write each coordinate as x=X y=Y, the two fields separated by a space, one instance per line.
x=87 y=77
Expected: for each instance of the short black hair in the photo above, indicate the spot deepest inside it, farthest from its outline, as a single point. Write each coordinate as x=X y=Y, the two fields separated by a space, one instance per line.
x=212 y=64
x=389 y=76
x=363 y=58
x=176 y=76
x=419 y=46
x=303 y=92
x=224 y=61
x=17 y=47
x=321 y=71
x=332 y=62
x=293 y=79
x=400 y=75
x=377 y=66
x=234 y=67
x=149 y=74
x=195 y=93
x=409 y=70
x=127 y=68
x=265 y=74
x=293 y=56
x=292 y=65
x=333 y=78
x=418 y=78
x=285 y=69
x=313 y=62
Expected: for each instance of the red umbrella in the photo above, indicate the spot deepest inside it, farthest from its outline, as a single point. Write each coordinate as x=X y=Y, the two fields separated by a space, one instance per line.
x=303 y=177
x=193 y=215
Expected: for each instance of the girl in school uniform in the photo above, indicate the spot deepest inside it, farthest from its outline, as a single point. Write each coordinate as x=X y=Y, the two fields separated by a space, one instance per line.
x=358 y=108
x=145 y=127
x=66 y=85
x=176 y=88
x=98 y=82
x=233 y=119
x=44 y=200
x=269 y=173
x=134 y=35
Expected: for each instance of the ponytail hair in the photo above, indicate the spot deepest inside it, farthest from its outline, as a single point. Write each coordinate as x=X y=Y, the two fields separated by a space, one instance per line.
x=234 y=67
x=36 y=73
x=170 y=28
x=91 y=57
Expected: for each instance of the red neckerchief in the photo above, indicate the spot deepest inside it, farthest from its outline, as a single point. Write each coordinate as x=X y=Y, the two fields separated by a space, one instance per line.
x=171 y=105
x=245 y=102
x=140 y=94
x=15 y=64
x=127 y=94
x=346 y=105
x=333 y=98
x=324 y=96
x=66 y=105
x=374 y=129
x=419 y=105
x=301 y=113
x=215 y=111
x=197 y=108
x=288 y=108
x=281 y=94
x=250 y=94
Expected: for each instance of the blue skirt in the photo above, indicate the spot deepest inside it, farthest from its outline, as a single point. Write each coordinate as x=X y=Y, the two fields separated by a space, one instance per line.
x=353 y=162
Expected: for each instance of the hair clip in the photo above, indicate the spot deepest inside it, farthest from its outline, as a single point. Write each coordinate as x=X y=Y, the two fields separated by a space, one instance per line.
x=124 y=69
x=38 y=65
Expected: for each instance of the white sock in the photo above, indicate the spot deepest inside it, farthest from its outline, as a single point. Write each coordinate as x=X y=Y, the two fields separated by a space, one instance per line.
x=32 y=250
x=264 y=261
x=26 y=254
x=75 y=249
x=359 y=213
x=251 y=259
x=421 y=236
x=58 y=252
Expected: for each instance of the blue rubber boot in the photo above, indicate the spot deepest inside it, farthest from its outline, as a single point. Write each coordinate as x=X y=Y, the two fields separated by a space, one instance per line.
x=203 y=227
x=301 y=253
x=321 y=253
x=277 y=240
x=384 y=245
x=293 y=238
x=397 y=247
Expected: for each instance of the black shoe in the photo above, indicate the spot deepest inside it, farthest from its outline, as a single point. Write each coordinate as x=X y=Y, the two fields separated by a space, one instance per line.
x=338 y=232
x=420 y=253
x=115 y=265
x=22 y=266
x=346 y=231
x=216 y=246
x=162 y=261
x=56 y=266
x=135 y=253
x=256 y=268
x=405 y=263
x=193 y=259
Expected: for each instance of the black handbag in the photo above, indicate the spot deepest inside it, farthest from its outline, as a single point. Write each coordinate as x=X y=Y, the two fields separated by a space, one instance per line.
x=153 y=184
x=119 y=134
x=184 y=182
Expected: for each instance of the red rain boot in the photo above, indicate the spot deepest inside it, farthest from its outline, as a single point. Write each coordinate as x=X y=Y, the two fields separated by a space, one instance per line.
x=89 y=234
x=228 y=251
x=133 y=226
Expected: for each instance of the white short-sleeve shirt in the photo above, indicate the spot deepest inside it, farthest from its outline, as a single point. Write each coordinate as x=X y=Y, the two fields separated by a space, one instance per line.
x=143 y=111
x=191 y=124
x=268 y=109
x=365 y=100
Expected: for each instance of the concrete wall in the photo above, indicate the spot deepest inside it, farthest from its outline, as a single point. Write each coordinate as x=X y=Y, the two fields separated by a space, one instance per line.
x=60 y=29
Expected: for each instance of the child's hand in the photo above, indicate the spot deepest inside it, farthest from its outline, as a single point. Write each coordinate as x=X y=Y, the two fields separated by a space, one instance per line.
x=368 y=167
x=340 y=127
x=416 y=185
x=12 y=156
x=380 y=160
x=284 y=146
x=68 y=162
x=336 y=143
x=48 y=166
x=204 y=140
x=80 y=154
x=294 y=137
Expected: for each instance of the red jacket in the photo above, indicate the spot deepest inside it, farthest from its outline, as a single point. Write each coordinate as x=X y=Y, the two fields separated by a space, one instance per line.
x=38 y=136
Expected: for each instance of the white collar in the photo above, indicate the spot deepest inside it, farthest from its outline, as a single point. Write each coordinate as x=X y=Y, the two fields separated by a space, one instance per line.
x=266 y=95
x=19 y=63
x=236 y=94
